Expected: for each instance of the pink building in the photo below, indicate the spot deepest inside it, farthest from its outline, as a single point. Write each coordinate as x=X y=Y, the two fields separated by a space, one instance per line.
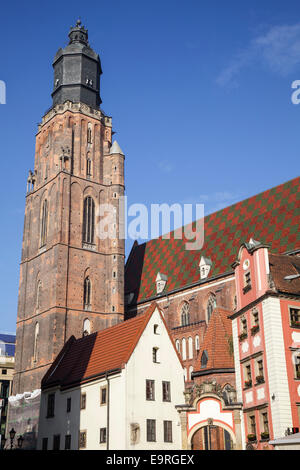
x=266 y=341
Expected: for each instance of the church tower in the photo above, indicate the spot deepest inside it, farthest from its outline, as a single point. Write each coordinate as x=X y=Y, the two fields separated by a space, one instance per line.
x=71 y=280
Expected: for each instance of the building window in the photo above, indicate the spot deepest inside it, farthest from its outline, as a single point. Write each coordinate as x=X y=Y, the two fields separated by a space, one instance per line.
x=68 y=405
x=151 y=430
x=155 y=329
x=166 y=391
x=297 y=367
x=36 y=337
x=185 y=314
x=177 y=343
x=150 y=390
x=248 y=378
x=197 y=343
x=50 y=405
x=38 y=295
x=244 y=330
x=204 y=359
x=255 y=322
x=155 y=355
x=247 y=282
x=87 y=294
x=4 y=371
x=168 y=431
x=44 y=223
x=265 y=434
x=211 y=305
x=68 y=442
x=295 y=317
x=88 y=220
x=88 y=167
x=102 y=435
x=252 y=427
x=190 y=340
x=86 y=325
x=45 y=443
x=103 y=394
x=56 y=442
x=183 y=349
x=89 y=135
x=82 y=439
x=260 y=371
x=83 y=401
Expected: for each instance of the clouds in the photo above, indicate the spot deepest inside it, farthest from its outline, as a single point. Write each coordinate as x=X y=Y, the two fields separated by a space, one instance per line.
x=278 y=49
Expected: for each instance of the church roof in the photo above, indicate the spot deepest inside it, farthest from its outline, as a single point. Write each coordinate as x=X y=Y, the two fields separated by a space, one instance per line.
x=217 y=343
x=273 y=217
x=84 y=359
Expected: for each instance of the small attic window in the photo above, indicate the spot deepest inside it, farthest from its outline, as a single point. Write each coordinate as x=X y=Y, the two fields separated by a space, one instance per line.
x=155 y=329
x=204 y=266
x=204 y=359
x=161 y=281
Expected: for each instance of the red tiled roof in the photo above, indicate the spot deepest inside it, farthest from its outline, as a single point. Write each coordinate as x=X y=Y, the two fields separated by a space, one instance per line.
x=273 y=217
x=217 y=342
x=90 y=356
x=282 y=266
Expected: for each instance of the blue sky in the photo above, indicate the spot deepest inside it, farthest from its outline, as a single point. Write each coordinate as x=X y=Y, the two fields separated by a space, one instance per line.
x=199 y=91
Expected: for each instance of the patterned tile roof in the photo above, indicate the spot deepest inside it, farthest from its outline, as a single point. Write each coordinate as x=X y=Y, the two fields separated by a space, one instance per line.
x=217 y=342
x=271 y=217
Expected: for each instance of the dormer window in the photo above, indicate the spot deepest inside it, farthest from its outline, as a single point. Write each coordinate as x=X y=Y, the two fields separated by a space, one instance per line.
x=161 y=281
x=204 y=266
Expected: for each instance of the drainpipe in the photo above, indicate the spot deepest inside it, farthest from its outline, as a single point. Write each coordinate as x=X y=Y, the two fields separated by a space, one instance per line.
x=107 y=413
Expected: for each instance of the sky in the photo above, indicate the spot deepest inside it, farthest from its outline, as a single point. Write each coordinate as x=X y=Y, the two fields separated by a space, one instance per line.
x=199 y=93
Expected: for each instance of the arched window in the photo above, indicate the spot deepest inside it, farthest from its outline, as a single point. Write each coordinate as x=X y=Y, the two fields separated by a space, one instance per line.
x=190 y=347
x=190 y=372
x=44 y=223
x=88 y=167
x=177 y=343
x=88 y=220
x=185 y=314
x=211 y=305
x=204 y=359
x=89 y=135
x=38 y=295
x=197 y=343
x=36 y=337
x=87 y=293
x=86 y=327
x=183 y=349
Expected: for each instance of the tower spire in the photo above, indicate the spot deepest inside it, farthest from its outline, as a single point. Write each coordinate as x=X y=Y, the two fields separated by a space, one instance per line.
x=77 y=70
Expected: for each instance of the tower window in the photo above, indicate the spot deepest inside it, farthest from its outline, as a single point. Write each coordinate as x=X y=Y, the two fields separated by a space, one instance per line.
x=86 y=326
x=44 y=223
x=87 y=293
x=36 y=337
x=88 y=167
x=88 y=220
x=89 y=135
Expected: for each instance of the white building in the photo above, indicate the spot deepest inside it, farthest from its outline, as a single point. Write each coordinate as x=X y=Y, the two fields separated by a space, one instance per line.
x=115 y=389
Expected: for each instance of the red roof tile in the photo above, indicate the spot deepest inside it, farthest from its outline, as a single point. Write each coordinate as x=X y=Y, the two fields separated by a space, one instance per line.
x=82 y=359
x=217 y=342
x=273 y=217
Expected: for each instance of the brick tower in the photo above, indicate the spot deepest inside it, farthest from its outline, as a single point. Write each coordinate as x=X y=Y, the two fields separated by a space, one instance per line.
x=71 y=281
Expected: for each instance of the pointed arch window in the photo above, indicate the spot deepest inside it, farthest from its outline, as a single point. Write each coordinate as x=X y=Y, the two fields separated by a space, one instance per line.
x=87 y=288
x=204 y=359
x=88 y=220
x=88 y=167
x=38 y=295
x=211 y=305
x=44 y=223
x=89 y=135
x=185 y=314
x=36 y=337
x=86 y=327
